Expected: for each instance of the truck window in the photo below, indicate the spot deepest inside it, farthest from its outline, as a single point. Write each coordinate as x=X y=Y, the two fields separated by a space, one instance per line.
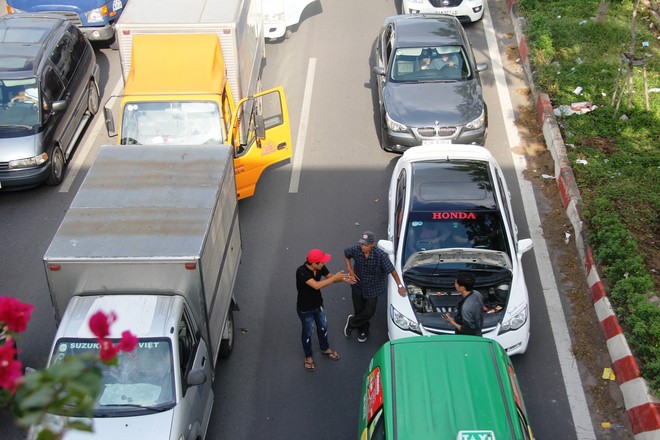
x=187 y=342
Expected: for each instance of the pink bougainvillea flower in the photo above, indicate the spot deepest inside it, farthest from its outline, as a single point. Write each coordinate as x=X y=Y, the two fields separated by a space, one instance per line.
x=100 y=324
x=107 y=351
x=14 y=314
x=10 y=369
x=128 y=342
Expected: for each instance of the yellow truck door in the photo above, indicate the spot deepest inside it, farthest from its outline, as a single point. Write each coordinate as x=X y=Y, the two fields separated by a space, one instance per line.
x=261 y=137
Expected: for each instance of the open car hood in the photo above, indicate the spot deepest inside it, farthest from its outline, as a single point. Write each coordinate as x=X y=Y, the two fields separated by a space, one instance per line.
x=458 y=255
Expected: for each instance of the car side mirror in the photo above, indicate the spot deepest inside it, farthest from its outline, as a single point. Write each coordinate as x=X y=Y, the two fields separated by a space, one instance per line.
x=481 y=67
x=109 y=121
x=59 y=106
x=196 y=377
x=524 y=245
x=260 y=129
x=379 y=70
x=386 y=246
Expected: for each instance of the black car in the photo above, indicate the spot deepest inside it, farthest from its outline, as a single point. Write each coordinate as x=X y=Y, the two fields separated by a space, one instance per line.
x=48 y=92
x=429 y=90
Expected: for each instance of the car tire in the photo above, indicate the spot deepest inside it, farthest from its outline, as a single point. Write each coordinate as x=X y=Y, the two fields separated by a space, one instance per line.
x=227 y=345
x=57 y=165
x=93 y=101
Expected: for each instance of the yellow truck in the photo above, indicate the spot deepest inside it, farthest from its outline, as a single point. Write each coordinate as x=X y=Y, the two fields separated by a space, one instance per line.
x=177 y=92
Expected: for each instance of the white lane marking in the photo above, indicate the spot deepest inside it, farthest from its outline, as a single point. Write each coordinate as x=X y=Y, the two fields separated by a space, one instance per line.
x=81 y=152
x=302 y=128
x=572 y=382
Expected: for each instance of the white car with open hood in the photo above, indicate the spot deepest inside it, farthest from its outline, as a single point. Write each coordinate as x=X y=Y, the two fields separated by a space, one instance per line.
x=449 y=211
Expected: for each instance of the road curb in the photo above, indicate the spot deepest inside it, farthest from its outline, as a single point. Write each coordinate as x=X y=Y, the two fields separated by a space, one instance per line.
x=642 y=409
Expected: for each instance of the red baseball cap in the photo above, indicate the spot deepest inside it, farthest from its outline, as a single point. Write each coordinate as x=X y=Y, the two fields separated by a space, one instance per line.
x=317 y=256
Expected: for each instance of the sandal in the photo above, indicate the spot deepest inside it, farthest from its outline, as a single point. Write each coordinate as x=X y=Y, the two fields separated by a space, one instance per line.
x=331 y=354
x=309 y=366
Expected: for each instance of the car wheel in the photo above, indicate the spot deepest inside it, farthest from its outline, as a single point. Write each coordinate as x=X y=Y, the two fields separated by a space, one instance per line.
x=56 y=167
x=227 y=345
x=92 y=97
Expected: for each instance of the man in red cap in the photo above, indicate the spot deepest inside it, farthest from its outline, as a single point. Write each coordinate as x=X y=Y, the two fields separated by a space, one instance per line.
x=309 y=281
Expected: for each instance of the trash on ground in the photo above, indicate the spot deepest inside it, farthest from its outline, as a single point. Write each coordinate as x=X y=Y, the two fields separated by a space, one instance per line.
x=579 y=108
x=577 y=90
x=609 y=425
x=608 y=374
x=568 y=237
x=547 y=176
x=581 y=161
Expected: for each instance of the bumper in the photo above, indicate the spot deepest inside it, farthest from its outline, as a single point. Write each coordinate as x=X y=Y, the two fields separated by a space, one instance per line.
x=514 y=342
x=20 y=179
x=465 y=14
x=100 y=33
x=398 y=141
x=274 y=30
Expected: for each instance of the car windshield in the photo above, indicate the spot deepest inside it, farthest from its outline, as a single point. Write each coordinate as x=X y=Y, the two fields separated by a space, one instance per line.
x=194 y=123
x=441 y=63
x=20 y=98
x=473 y=230
x=142 y=379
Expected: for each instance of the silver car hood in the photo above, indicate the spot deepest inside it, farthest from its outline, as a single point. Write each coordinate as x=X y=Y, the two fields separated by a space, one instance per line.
x=459 y=255
x=19 y=147
x=155 y=426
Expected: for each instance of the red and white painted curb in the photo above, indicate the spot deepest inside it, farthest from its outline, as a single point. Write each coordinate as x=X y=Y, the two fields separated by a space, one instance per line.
x=642 y=408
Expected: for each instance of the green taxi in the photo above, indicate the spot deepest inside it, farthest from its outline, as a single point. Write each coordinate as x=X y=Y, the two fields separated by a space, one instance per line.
x=445 y=387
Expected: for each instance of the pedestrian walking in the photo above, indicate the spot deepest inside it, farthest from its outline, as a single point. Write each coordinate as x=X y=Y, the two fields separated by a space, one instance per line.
x=468 y=318
x=311 y=277
x=368 y=279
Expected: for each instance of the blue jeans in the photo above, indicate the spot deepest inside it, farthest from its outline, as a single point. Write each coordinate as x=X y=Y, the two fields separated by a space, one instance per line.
x=308 y=319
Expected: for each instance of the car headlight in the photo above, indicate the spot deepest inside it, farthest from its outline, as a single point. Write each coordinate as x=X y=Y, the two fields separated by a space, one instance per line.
x=477 y=123
x=518 y=319
x=29 y=162
x=96 y=15
x=403 y=322
x=393 y=125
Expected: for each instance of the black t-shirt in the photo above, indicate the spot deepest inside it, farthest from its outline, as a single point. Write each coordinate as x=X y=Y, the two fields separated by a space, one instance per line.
x=309 y=298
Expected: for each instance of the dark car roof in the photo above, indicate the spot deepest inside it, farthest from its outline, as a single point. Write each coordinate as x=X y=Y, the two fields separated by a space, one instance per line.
x=452 y=185
x=23 y=39
x=424 y=30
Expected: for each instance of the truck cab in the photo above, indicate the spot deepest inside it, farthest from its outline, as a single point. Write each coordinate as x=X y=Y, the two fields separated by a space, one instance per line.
x=162 y=389
x=185 y=98
x=95 y=18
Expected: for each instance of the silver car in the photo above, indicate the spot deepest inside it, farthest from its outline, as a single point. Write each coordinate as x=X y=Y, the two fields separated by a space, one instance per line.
x=48 y=92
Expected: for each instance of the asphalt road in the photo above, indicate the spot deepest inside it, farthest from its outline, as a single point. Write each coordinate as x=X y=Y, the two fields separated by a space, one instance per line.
x=262 y=391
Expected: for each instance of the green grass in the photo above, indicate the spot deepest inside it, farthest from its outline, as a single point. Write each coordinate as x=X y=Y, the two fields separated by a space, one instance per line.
x=620 y=184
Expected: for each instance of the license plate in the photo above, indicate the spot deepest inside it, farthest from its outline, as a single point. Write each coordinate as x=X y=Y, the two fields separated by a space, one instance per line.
x=117 y=5
x=447 y=11
x=436 y=142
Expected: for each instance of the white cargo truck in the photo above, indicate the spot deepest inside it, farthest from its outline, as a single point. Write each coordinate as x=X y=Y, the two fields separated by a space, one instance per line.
x=153 y=236
x=237 y=23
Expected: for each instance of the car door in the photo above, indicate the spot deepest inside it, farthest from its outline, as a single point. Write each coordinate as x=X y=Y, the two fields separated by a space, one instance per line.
x=193 y=356
x=383 y=53
x=67 y=58
x=52 y=91
x=60 y=61
x=261 y=136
